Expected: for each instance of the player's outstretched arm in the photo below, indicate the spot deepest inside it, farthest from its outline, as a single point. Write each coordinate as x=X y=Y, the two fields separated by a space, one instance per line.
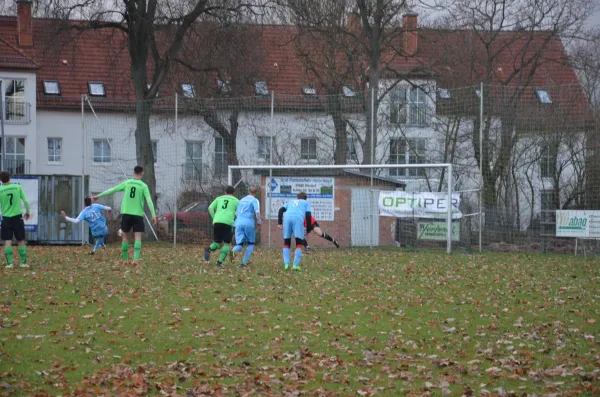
x=118 y=188
x=280 y=215
x=72 y=220
x=150 y=204
x=25 y=202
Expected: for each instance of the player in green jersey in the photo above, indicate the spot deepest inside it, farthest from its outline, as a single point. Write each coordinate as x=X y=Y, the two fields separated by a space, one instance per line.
x=132 y=211
x=222 y=210
x=11 y=195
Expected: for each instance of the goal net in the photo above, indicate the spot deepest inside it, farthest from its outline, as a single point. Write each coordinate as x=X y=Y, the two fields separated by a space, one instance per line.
x=361 y=205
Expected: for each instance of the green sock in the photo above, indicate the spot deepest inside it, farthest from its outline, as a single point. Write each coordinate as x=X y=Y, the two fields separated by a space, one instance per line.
x=224 y=252
x=214 y=246
x=23 y=254
x=137 y=250
x=8 y=254
x=125 y=250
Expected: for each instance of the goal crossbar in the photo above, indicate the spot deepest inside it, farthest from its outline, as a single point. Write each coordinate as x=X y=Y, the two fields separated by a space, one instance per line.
x=447 y=166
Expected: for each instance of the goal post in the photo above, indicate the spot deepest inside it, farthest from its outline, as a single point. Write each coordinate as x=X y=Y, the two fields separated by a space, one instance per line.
x=353 y=178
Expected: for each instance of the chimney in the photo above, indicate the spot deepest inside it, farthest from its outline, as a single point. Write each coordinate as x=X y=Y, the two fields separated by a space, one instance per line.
x=24 y=23
x=410 y=25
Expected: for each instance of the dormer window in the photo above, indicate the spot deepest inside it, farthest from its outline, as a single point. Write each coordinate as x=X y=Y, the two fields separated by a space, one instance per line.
x=261 y=88
x=51 y=87
x=544 y=97
x=309 y=90
x=188 y=90
x=96 y=89
x=348 y=91
x=224 y=87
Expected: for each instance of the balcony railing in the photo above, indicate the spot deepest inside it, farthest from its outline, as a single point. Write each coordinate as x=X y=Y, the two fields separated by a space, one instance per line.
x=17 y=166
x=16 y=112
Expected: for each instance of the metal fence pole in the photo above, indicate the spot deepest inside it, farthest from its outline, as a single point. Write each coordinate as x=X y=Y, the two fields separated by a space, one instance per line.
x=82 y=162
x=2 y=127
x=176 y=180
x=481 y=167
x=450 y=210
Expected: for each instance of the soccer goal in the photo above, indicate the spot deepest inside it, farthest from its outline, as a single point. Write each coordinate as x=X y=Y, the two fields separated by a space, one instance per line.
x=407 y=205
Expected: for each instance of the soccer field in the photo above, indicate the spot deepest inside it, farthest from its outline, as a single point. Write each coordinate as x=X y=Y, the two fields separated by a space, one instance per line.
x=380 y=322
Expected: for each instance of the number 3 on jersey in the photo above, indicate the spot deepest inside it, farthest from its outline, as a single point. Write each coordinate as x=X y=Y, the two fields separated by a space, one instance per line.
x=225 y=204
x=132 y=192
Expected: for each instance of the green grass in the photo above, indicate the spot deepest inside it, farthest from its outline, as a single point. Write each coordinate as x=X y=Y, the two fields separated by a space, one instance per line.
x=381 y=322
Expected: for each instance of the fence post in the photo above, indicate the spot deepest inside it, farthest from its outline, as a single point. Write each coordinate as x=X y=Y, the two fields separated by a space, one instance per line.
x=82 y=160
x=176 y=176
x=481 y=167
x=450 y=210
x=2 y=129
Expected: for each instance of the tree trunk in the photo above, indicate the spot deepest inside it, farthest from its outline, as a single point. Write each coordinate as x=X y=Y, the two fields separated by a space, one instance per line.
x=143 y=145
x=340 y=154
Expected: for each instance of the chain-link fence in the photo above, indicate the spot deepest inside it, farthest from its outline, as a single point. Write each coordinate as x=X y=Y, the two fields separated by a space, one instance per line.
x=518 y=154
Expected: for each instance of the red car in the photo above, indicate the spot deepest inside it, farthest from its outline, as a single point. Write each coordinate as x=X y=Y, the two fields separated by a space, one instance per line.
x=194 y=215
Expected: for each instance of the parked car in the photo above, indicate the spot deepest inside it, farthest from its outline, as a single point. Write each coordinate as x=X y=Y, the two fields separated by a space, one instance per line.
x=194 y=215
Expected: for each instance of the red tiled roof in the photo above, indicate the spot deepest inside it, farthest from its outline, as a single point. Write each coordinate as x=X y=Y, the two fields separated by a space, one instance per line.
x=13 y=58
x=456 y=58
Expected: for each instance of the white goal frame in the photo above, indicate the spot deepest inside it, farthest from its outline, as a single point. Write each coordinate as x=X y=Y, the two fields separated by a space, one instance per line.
x=371 y=167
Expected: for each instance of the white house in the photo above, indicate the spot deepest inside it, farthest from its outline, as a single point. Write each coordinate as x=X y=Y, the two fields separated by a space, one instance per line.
x=424 y=118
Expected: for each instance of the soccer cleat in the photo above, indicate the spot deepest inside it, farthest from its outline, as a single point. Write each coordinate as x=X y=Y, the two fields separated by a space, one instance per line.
x=219 y=265
x=135 y=264
x=9 y=267
x=296 y=268
x=92 y=252
x=244 y=265
x=335 y=242
x=232 y=256
x=308 y=249
x=207 y=256
x=24 y=266
x=285 y=267
x=125 y=263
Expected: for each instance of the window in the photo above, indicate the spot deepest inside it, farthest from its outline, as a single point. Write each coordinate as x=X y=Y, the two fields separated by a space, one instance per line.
x=220 y=157
x=96 y=89
x=309 y=90
x=15 y=155
x=352 y=155
x=407 y=151
x=264 y=147
x=54 y=150
x=193 y=161
x=547 y=161
x=548 y=206
x=543 y=96
x=308 y=149
x=224 y=87
x=102 y=151
x=444 y=93
x=188 y=90
x=51 y=87
x=261 y=88
x=408 y=106
x=348 y=91
x=155 y=151
x=14 y=96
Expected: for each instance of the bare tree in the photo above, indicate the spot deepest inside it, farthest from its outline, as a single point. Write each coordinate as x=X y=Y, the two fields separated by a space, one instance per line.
x=155 y=33
x=585 y=57
x=529 y=34
x=359 y=42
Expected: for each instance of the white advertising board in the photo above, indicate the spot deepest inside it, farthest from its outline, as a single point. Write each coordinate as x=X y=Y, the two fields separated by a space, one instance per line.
x=320 y=191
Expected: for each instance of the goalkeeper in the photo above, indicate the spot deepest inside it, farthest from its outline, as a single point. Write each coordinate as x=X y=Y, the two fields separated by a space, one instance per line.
x=314 y=225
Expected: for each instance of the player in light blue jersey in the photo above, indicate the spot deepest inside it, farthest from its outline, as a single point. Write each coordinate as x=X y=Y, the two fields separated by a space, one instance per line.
x=92 y=214
x=292 y=217
x=248 y=216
